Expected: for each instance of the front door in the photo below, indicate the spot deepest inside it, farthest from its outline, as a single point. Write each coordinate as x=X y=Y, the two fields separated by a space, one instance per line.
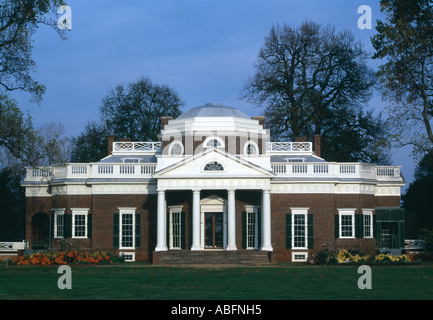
x=213 y=230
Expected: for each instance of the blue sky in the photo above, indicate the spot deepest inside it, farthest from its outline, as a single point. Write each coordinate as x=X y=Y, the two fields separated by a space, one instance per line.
x=204 y=50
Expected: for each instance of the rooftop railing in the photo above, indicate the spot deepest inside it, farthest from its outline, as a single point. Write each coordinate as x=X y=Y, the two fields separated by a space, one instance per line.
x=281 y=169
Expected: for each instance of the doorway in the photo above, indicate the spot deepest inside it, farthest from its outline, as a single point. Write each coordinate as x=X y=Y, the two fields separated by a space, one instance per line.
x=214 y=222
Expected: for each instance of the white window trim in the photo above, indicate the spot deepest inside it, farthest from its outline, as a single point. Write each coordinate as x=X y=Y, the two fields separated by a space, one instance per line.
x=368 y=212
x=173 y=209
x=123 y=211
x=221 y=141
x=251 y=142
x=58 y=212
x=346 y=212
x=298 y=253
x=255 y=211
x=128 y=254
x=172 y=145
x=79 y=211
x=303 y=211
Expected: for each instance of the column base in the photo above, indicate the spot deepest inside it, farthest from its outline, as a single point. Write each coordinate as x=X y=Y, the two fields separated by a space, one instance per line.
x=231 y=248
x=161 y=248
x=266 y=248
x=196 y=248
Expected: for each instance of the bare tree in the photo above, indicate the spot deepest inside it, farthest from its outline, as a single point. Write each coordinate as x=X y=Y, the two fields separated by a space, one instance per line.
x=314 y=81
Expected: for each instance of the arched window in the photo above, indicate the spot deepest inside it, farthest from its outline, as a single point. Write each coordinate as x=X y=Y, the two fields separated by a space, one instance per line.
x=213 y=142
x=176 y=148
x=213 y=166
x=251 y=148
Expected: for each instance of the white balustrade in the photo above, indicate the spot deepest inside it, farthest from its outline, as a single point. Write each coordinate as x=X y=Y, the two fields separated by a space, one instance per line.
x=336 y=170
x=128 y=147
x=285 y=147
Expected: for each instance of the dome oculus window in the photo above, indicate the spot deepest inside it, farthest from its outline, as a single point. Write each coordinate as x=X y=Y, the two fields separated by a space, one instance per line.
x=213 y=166
x=176 y=148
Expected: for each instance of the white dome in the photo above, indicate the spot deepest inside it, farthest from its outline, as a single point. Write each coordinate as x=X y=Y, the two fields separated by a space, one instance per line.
x=213 y=110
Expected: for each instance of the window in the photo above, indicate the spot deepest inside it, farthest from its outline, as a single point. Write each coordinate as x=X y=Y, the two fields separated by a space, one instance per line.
x=367 y=223
x=250 y=227
x=347 y=223
x=127 y=230
x=79 y=223
x=176 y=148
x=251 y=148
x=299 y=256
x=299 y=228
x=213 y=166
x=59 y=223
x=175 y=231
x=131 y=160
x=213 y=142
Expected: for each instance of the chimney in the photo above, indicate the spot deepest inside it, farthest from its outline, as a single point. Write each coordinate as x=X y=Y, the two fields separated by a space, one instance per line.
x=260 y=119
x=110 y=144
x=317 y=145
x=300 y=139
x=164 y=121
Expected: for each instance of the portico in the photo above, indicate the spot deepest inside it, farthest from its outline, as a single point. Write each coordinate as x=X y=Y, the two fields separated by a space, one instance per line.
x=214 y=218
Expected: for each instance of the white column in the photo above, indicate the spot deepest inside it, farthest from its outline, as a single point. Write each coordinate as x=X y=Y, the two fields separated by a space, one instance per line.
x=266 y=221
x=196 y=213
x=161 y=240
x=231 y=220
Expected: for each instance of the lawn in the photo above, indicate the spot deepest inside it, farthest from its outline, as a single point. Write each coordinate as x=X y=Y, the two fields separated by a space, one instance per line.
x=280 y=282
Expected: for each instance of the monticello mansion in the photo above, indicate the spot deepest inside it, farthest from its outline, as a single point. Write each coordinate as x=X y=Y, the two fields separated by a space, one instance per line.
x=214 y=187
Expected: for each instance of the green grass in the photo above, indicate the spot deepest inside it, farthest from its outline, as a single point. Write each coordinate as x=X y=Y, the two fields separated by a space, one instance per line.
x=281 y=282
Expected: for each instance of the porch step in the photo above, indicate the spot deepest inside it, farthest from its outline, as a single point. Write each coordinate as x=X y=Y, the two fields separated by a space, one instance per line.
x=213 y=257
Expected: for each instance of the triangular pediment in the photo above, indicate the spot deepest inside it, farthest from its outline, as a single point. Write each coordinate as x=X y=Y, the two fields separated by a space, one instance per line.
x=213 y=163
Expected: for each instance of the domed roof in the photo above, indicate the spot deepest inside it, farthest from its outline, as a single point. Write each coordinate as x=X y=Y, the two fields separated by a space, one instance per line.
x=213 y=110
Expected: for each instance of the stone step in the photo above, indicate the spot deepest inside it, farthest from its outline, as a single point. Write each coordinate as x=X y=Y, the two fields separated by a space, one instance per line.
x=212 y=257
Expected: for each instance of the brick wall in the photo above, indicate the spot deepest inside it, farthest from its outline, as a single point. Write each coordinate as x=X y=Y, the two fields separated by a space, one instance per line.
x=102 y=207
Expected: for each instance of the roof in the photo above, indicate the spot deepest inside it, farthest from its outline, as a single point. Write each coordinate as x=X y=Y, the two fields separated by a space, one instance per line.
x=213 y=110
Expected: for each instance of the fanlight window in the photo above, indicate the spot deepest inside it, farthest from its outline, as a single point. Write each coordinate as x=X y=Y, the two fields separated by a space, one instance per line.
x=251 y=148
x=213 y=143
x=214 y=166
x=176 y=149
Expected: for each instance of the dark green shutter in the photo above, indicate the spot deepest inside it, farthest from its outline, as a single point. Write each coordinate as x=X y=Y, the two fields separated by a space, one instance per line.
x=67 y=225
x=89 y=226
x=337 y=226
x=138 y=230
x=359 y=226
x=310 y=231
x=182 y=230
x=259 y=226
x=52 y=221
x=167 y=229
x=244 y=230
x=288 y=231
x=115 y=230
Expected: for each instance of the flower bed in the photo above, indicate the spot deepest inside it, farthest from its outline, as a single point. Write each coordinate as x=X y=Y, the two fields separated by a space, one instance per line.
x=356 y=257
x=66 y=257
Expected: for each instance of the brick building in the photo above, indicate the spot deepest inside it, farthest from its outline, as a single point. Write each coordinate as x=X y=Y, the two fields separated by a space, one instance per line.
x=214 y=187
